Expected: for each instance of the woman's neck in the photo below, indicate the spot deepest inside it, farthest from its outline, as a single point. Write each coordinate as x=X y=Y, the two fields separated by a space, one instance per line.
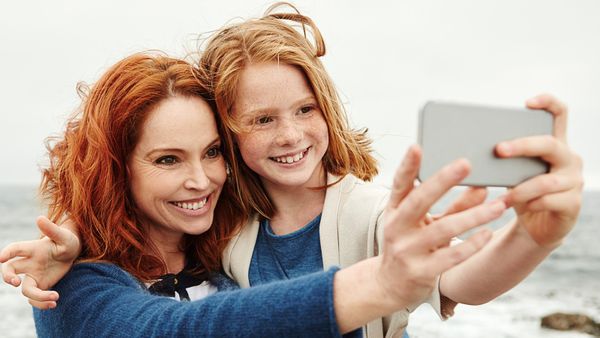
x=169 y=248
x=296 y=206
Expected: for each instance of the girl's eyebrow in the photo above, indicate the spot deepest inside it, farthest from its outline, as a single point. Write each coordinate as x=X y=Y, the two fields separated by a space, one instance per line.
x=268 y=110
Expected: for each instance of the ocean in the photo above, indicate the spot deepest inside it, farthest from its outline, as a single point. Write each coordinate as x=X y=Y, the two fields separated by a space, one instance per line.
x=567 y=281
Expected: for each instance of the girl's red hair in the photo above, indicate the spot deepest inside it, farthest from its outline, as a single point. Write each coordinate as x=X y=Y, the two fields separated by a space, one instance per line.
x=87 y=178
x=274 y=38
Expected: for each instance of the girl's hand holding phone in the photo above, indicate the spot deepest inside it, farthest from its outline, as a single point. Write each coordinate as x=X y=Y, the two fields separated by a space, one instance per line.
x=547 y=205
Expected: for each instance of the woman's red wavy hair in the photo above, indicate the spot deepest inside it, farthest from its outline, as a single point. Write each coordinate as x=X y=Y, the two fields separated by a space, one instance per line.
x=87 y=178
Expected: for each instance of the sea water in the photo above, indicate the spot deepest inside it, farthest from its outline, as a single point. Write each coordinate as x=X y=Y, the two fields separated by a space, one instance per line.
x=567 y=281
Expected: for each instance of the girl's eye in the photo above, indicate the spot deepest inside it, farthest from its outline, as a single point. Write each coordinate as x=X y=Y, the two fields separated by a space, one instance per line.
x=213 y=152
x=263 y=119
x=166 y=160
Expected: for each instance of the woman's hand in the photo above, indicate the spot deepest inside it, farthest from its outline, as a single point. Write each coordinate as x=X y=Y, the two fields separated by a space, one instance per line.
x=547 y=205
x=416 y=246
x=416 y=249
x=44 y=262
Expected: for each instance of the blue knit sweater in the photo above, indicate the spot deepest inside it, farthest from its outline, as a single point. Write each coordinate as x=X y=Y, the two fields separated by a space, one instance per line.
x=102 y=300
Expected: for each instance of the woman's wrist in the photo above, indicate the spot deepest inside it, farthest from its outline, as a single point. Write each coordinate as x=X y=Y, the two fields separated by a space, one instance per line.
x=359 y=296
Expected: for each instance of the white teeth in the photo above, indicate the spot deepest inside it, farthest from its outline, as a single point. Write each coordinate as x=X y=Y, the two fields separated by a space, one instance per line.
x=192 y=206
x=290 y=159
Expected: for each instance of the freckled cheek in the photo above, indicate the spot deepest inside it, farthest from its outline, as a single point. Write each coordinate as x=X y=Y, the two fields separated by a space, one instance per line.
x=320 y=131
x=253 y=146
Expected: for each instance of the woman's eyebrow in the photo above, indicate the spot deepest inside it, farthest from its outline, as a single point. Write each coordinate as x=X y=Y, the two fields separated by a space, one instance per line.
x=215 y=141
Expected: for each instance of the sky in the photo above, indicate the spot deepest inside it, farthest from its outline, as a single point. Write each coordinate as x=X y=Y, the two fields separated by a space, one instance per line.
x=386 y=58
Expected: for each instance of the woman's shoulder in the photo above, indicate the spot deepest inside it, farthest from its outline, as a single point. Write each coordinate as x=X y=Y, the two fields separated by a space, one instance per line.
x=98 y=273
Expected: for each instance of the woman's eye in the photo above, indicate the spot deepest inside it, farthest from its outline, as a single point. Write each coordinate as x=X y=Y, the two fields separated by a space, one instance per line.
x=213 y=152
x=166 y=160
x=306 y=109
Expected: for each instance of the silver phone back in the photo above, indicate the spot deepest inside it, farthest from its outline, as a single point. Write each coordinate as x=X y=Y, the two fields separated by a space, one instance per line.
x=448 y=131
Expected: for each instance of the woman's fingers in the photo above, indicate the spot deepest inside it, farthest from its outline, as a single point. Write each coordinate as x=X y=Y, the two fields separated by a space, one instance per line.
x=405 y=176
x=447 y=257
x=469 y=198
x=439 y=233
x=416 y=204
x=30 y=290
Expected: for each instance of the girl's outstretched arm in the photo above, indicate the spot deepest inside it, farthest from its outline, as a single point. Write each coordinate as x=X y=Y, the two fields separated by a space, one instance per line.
x=547 y=207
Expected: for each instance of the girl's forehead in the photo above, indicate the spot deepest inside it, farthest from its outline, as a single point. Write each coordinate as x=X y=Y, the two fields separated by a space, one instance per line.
x=268 y=83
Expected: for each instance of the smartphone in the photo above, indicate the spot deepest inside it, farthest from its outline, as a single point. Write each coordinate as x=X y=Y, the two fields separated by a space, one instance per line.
x=448 y=131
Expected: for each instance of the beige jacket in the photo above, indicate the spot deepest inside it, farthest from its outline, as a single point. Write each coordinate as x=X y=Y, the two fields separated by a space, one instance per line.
x=351 y=230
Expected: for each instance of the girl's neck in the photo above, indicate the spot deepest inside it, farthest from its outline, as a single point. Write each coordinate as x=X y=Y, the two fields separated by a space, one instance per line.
x=296 y=206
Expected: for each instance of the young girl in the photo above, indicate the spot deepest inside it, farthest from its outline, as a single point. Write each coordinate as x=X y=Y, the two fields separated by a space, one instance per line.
x=303 y=170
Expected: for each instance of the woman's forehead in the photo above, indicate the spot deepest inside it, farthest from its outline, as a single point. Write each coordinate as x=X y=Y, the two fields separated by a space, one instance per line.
x=179 y=119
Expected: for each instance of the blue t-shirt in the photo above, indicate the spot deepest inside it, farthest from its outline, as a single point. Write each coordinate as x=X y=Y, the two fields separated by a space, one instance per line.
x=288 y=256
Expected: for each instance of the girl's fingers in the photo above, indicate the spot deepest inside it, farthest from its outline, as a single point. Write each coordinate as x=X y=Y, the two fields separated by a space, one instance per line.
x=30 y=290
x=9 y=274
x=43 y=305
x=14 y=267
x=549 y=148
x=566 y=201
x=469 y=198
x=445 y=258
x=443 y=230
x=405 y=176
x=17 y=249
x=539 y=186
x=416 y=204
x=557 y=108
x=50 y=229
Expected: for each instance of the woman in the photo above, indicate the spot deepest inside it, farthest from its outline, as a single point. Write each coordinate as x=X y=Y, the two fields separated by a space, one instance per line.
x=140 y=172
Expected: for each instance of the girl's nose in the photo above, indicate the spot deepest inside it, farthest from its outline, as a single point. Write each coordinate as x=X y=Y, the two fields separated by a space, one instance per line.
x=289 y=133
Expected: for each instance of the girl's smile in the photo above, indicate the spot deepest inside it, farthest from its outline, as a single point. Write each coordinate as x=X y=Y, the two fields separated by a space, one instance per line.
x=292 y=158
x=284 y=134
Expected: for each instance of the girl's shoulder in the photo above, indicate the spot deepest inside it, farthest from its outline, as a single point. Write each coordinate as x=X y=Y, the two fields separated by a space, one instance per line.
x=222 y=282
x=351 y=188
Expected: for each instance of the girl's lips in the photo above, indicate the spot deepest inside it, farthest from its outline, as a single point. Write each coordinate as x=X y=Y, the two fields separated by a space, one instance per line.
x=291 y=158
